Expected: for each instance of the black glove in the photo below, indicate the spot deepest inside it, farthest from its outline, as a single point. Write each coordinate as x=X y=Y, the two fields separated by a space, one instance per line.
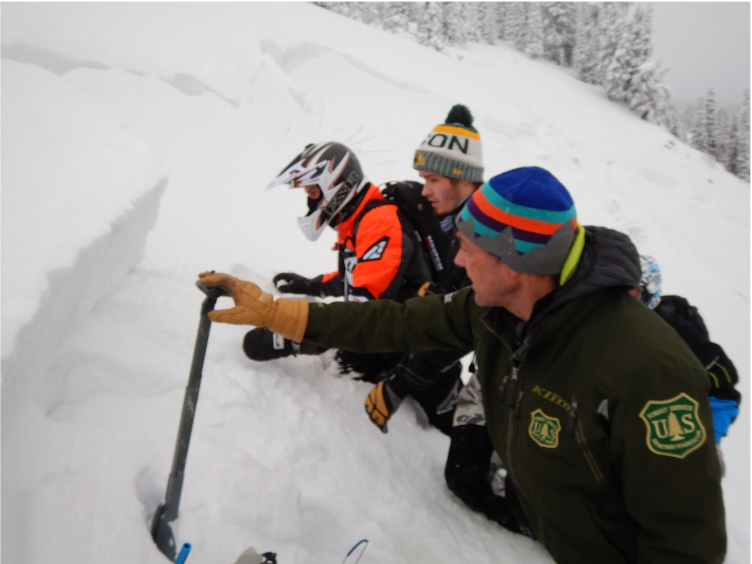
x=296 y=284
x=261 y=344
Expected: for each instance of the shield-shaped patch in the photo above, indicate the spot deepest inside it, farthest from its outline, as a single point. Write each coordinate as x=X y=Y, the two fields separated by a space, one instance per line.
x=544 y=430
x=673 y=426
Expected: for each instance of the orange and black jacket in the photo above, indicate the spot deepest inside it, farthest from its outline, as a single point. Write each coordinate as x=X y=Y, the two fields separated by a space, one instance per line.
x=379 y=254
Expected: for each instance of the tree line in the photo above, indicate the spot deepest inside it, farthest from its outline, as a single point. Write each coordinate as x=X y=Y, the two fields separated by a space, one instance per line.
x=608 y=44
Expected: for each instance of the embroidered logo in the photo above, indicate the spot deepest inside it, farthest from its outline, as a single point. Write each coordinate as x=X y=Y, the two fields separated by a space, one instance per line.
x=673 y=427
x=419 y=159
x=544 y=430
x=457 y=171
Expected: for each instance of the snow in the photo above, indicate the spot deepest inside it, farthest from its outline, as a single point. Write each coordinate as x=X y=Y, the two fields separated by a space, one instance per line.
x=137 y=142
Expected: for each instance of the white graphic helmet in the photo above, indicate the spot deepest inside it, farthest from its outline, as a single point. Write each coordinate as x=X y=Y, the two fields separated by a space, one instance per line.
x=336 y=171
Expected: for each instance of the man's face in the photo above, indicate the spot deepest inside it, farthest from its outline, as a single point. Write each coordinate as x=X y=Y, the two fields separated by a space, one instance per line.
x=313 y=192
x=494 y=283
x=443 y=193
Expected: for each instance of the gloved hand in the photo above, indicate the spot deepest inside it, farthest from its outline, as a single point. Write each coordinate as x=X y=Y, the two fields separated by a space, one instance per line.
x=254 y=307
x=297 y=284
x=382 y=402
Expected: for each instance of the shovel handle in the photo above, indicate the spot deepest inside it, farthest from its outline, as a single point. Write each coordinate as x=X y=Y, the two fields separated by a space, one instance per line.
x=212 y=293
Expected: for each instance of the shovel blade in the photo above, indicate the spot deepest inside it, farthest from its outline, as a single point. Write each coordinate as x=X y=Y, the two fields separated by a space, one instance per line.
x=161 y=532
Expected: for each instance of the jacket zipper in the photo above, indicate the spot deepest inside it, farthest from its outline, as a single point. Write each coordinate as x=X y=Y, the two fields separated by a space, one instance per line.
x=589 y=458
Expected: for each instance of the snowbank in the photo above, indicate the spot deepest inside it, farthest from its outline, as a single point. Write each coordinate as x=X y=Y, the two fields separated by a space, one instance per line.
x=80 y=195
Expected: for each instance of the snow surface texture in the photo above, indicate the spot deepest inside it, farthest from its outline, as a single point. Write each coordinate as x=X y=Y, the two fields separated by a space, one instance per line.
x=127 y=121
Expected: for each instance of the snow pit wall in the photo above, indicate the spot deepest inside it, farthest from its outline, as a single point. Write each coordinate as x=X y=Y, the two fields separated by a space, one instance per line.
x=72 y=293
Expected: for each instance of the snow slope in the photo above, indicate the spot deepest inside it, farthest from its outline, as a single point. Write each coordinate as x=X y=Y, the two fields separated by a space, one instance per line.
x=137 y=139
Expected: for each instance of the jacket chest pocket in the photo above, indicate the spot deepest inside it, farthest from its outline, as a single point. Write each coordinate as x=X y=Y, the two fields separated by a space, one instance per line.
x=552 y=432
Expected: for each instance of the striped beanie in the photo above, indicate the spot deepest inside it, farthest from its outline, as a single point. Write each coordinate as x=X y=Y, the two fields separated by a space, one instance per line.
x=524 y=217
x=453 y=148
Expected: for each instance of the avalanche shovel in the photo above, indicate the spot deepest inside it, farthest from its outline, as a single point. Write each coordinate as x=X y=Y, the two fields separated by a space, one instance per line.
x=161 y=531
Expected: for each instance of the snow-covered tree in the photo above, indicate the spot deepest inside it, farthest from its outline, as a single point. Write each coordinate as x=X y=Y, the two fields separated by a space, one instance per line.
x=584 y=59
x=711 y=124
x=731 y=155
x=611 y=20
x=705 y=129
x=516 y=22
x=396 y=16
x=742 y=159
x=698 y=133
x=502 y=9
x=471 y=21
x=559 y=31
x=454 y=29
x=649 y=98
x=489 y=24
x=534 y=30
x=633 y=49
x=430 y=27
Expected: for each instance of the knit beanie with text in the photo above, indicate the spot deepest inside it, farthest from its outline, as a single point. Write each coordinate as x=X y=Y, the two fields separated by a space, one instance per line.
x=453 y=148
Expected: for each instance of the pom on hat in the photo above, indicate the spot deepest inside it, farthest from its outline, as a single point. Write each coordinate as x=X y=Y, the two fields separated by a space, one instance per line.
x=525 y=218
x=452 y=149
x=461 y=115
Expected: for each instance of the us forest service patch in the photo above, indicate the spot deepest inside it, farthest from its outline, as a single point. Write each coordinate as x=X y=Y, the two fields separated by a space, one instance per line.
x=673 y=426
x=544 y=430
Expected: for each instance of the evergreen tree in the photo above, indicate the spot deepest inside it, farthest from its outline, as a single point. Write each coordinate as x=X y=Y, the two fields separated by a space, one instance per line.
x=351 y=10
x=584 y=60
x=396 y=16
x=611 y=18
x=502 y=9
x=731 y=160
x=633 y=49
x=743 y=139
x=489 y=22
x=518 y=25
x=534 y=30
x=698 y=135
x=471 y=21
x=430 y=27
x=453 y=25
x=559 y=31
x=711 y=125
x=650 y=98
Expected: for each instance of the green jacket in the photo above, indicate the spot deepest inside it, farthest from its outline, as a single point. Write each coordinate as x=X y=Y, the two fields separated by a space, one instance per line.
x=597 y=408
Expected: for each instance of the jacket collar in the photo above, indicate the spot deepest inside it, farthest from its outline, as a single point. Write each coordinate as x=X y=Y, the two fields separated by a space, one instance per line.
x=345 y=229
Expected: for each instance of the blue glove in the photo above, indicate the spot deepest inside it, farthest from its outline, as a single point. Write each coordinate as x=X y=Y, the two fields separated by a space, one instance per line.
x=724 y=413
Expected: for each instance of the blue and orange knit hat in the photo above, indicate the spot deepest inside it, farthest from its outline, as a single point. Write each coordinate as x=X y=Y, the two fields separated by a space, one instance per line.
x=524 y=217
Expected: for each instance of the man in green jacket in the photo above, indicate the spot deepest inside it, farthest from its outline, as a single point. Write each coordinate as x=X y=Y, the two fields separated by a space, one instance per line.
x=596 y=408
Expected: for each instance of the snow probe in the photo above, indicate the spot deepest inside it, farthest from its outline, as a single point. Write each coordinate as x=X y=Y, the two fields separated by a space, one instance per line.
x=356 y=556
x=161 y=531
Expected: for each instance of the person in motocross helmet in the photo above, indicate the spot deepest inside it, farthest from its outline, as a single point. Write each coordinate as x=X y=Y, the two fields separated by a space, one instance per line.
x=380 y=257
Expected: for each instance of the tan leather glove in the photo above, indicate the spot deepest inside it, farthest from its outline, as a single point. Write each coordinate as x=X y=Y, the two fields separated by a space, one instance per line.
x=253 y=307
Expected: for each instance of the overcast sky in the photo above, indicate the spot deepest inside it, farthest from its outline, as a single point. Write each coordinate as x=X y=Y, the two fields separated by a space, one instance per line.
x=703 y=44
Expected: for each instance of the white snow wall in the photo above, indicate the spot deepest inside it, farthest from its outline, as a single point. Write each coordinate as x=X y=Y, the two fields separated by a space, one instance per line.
x=72 y=293
x=92 y=244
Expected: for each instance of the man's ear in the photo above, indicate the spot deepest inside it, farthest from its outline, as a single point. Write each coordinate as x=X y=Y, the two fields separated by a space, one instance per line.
x=466 y=187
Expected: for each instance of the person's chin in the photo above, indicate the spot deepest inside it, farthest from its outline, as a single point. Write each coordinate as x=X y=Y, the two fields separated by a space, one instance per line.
x=479 y=300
